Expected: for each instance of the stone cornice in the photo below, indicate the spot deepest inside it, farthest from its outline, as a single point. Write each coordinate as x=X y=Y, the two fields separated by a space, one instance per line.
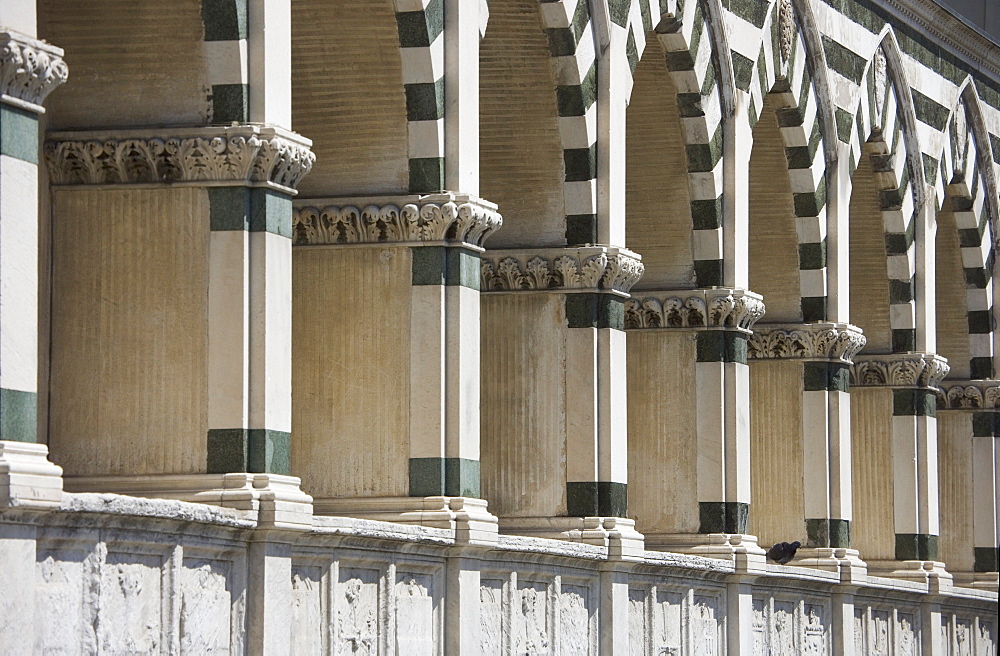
x=838 y=342
x=588 y=268
x=433 y=218
x=698 y=309
x=969 y=395
x=29 y=70
x=254 y=155
x=950 y=31
x=899 y=370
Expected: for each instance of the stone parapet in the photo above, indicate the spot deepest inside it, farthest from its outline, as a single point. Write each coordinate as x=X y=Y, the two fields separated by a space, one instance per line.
x=29 y=70
x=418 y=220
x=899 y=370
x=836 y=342
x=697 y=309
x=248 y=154
x=584 y=269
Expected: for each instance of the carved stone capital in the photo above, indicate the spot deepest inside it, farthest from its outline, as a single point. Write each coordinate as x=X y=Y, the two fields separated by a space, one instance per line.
x=899 y=370
x=694 y=308
x=437 y=217
x=29 y=70
x=254 y=155
x=838 y=342
x=588 y=268
x=969 y=395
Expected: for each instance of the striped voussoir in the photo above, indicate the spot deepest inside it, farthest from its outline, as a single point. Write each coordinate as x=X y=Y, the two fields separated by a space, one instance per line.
x=959 y=180
x=570 y=33
x=689 y=53
x=420 y=24
x=226 y=27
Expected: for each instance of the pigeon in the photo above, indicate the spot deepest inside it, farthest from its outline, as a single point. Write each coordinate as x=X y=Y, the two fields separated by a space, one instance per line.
x=783 y=552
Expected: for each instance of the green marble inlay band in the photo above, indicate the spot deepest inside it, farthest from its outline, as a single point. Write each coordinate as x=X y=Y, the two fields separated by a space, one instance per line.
x=450 y=477
x=225 y=20
x=426 y=174
x=256 y=210
x=581 y=229
x=18 y=133
x=445 y=265
x=986 y=424
x=596 y=499
x=595 y=311
x=18 y=415
x=230 y=102
x=911 y=402
x=723 y=516
x=830 y=376
x=253 y=450
x=916 y=546
x=986 y=559
x=722 y=346
x=834 y=533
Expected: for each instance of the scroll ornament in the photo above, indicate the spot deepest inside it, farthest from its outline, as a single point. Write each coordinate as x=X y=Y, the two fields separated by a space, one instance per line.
x=969 y=394
x=606 y=268
x=840 y=342
x=900 y=370
x=29 y=69
x=734 y=309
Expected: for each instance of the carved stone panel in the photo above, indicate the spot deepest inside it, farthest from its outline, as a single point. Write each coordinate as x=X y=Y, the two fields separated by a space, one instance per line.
x=574 y=620
x=906 y=642
x=307 y=609
x=130 y=604
x=860 y=632
x=65 y=610
x=637 y=621
x=491 y=616
x=880 y=633
x=668 y=630
x=357 y=628
x=415 y=614
x=784 y=628
x=531 y=620
x=963 y=637
x=986 y=638
x=705 y=625
x=760 y=627
x=814 y=632
x=206 y=606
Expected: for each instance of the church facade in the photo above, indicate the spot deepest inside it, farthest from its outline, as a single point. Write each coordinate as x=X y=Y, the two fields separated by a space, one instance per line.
x=498 y=327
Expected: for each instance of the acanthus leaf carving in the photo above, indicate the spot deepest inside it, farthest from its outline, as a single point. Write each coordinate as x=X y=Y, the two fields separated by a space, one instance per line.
x=29 y=69
x=786 y=28
x=821 y=341
x=900 y=370
x=716 y=308
x=597 y=268
x=969 y=395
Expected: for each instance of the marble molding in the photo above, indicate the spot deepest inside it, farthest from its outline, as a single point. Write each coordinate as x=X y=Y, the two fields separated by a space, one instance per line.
x=899 y=370
x=969 y=395
x=433 y=218
x=29 y=70
x=694 y=308
x=253 y=155
x=838 y=342
x=588 y=268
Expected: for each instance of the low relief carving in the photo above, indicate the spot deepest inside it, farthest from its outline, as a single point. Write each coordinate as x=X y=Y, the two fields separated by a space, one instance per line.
x=307 y=614
x=900 y=370
x=969 y=394
x=760 y=641
x=637 y=619
x=959 y=142
x=860 y=633
x=415 y=615
x=206 y=606
x=905 y=638
x=963 y=637
x=531 y=621
x=574 y=620
x=783 y=619
x=668 y=630
x=130 y=604
x=705 y=625
x=879 y=75
x=467 y=222
x=59 y=601
x=244 y=154
x=357 y=613
x=987 y=638
x=695 y=309
x=584 y=268
x=814 y=631
x=880 y=633
x=29 y=69
x=491 y=615
x=786 y=28
x=839 y=342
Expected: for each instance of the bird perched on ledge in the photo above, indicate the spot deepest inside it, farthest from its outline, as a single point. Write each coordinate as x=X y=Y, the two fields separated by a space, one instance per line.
x=783 y=552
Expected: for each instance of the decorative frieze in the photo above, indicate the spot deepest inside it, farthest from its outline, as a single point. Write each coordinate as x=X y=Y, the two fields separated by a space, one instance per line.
x=29 y=70
x=590 y=268
x=899 y=370
x=694 y=308
x=810 y=341
x=241 y=154
x=438 y=217
x=969 y=395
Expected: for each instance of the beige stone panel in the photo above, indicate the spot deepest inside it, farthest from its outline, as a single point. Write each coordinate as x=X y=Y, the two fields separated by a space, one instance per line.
x=347 y=96
x=350 y=376
x=869 y=278
x=657 y=203
x=128 y=380
x=523 y=442
x=521 y=157
x=662 y=439
x=774 y=251
x=951 y=306
x=955 y=490
x=873 y=530
x=777 y=506
x=131 y=62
